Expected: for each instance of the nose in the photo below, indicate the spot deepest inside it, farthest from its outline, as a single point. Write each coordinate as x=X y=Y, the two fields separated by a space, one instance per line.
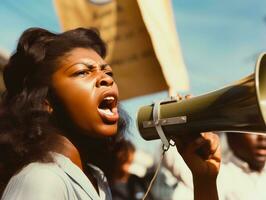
x=104 y=80
x=262 y=137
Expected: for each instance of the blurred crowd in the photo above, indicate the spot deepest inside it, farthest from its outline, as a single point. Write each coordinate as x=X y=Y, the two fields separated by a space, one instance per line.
x=242 y=173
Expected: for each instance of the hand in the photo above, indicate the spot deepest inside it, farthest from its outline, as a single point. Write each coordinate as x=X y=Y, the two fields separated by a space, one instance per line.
x=201 y=153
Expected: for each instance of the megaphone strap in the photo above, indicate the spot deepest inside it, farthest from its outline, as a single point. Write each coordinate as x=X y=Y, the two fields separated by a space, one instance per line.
x=157 y=124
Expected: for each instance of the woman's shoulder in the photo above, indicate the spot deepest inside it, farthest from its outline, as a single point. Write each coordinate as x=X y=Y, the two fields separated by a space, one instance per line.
x=44 y=180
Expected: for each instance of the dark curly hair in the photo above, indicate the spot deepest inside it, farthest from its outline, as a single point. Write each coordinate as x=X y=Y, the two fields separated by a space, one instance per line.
x=26 y=127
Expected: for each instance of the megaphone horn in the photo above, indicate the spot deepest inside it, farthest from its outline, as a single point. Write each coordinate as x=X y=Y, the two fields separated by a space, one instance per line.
x=239 y=107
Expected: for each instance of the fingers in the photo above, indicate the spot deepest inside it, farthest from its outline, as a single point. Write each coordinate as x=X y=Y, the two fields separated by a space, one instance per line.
x=201 y=153
x=205 y=145
x=188 y=96
x=213 y=140
x=197 y=144
x=180 y=97
x=211 y=149
x=187 y=141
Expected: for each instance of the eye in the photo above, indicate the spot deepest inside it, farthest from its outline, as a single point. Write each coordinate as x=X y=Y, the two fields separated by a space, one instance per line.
x=110 y=73
x=81 y=73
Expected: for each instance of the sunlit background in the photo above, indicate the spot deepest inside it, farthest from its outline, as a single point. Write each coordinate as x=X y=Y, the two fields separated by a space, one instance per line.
x=220 y=41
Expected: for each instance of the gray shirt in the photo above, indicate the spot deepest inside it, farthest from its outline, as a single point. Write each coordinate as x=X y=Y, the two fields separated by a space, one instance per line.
x=61 y=180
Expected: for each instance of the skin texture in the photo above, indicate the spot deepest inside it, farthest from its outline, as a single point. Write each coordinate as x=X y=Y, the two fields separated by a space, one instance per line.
x=250 y=148
x=202 y=154
x=80 y=83
x=203 y=157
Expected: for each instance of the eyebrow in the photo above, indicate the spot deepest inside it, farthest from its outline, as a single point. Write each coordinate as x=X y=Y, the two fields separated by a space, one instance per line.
x=90 y=66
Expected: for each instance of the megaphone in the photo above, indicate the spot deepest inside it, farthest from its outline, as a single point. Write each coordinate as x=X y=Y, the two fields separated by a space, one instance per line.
x=239 y=107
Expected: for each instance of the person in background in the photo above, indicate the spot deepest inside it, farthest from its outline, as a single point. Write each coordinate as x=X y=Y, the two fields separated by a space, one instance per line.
x=128 y=176
x=242 y=174
x=122 y=159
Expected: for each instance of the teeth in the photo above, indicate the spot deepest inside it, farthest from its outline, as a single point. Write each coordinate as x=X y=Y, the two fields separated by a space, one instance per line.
x=106 y=111
x=109 y=98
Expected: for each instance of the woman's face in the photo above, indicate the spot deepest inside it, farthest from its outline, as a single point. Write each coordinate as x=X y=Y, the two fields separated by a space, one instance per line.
x=84 y=85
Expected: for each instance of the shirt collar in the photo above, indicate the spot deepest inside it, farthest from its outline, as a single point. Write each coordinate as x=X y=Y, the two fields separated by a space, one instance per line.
x=78 y=176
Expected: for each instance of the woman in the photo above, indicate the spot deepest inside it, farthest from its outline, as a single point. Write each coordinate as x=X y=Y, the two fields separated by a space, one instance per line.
x=60 y=120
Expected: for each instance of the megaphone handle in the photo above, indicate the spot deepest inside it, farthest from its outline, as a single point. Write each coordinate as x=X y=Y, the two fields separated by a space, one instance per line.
x=157 y=124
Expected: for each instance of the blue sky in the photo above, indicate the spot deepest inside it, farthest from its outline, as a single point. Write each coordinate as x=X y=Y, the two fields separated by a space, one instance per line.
x=220 y=40
x=16 y=16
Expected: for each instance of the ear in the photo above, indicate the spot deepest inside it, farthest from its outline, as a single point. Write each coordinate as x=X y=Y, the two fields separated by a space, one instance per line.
x=48 y=106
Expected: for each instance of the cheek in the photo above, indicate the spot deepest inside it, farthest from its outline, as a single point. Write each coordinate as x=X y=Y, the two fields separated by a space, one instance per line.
x=250 y=141
x=78 y=101
x=81 y=110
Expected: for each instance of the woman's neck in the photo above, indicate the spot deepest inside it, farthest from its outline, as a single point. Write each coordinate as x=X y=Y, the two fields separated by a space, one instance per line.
x=68 y=149
x=75 y=155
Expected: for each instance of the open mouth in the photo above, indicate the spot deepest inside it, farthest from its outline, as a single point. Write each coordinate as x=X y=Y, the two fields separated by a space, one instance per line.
x=108 y=109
